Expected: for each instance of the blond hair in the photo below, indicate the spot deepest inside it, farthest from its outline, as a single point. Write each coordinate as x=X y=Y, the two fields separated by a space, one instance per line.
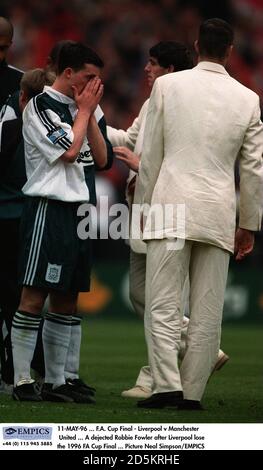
x=33 y=81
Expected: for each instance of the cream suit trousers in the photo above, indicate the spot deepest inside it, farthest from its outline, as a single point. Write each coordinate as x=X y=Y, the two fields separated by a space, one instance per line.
x=166 y=272
x=137 y=297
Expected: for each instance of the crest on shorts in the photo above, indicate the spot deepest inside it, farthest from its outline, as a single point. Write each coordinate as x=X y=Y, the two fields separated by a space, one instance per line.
x=56 y=135
x=53 y=273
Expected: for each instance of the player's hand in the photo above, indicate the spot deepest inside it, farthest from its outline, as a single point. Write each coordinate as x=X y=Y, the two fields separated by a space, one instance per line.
x=127 y=156
x=90 y=96
x=244 y=243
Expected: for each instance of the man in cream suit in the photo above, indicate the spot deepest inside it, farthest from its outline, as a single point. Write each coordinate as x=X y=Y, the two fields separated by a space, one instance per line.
x=164 y=57
x=199 y=121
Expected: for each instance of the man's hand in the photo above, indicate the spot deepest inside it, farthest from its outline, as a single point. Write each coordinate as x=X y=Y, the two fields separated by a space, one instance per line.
x=244 y=243
x=90 y=96
x=127 y=156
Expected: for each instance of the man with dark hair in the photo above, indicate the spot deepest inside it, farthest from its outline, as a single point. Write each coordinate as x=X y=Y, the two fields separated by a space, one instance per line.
x=9 y=76
x=215 y=36
x=74 y=53
x=60 y=129
x=171 y=55
x=52 y=59
x=199 y=121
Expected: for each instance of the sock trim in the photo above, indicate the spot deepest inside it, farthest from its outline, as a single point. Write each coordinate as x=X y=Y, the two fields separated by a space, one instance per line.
x=24 y=321
x=30 y=315
x=58 y=318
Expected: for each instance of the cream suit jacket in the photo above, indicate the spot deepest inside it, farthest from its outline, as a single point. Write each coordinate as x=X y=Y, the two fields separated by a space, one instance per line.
x=133 y=139
x=199 y=122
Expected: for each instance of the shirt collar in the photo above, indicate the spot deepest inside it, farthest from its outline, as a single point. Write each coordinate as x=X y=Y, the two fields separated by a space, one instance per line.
x=212 y=66
x=59 y=96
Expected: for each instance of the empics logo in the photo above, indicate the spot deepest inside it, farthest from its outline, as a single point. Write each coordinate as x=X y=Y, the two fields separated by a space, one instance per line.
x=10 y=431
x=22 y=432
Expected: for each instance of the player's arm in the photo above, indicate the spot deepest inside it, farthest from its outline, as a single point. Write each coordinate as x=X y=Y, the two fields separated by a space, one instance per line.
x=97 y=143
x=103 y=129
x=87 y=102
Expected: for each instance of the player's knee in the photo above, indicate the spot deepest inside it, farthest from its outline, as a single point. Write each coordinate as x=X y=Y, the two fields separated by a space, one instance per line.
x=32 y=300
x=31 y=305
x=63 y=303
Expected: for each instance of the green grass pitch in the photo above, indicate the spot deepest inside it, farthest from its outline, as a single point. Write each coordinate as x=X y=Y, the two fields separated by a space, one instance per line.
x=112 y=353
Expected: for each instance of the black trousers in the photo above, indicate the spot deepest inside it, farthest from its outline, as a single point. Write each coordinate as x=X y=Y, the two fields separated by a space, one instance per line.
x=9 y=292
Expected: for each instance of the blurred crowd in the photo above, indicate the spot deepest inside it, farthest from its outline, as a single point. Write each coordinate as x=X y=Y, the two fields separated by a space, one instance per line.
x=122 y=31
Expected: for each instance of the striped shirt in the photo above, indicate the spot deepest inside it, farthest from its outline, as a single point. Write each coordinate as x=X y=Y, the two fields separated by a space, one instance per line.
x=47 y=129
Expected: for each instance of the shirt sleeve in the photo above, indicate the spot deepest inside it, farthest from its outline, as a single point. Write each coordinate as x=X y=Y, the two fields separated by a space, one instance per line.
x=44 y=130
x=250 y=170
x=119 y=137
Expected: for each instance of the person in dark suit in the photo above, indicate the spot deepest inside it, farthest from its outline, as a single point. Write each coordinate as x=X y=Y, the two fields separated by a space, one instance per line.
x=9 y=83
x=9 y=76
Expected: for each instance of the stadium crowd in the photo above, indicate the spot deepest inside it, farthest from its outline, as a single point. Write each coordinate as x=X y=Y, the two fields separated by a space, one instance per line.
x=121 y=31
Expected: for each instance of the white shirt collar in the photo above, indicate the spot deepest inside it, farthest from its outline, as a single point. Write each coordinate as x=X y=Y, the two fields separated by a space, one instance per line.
x=58 y=96
x=212 y=66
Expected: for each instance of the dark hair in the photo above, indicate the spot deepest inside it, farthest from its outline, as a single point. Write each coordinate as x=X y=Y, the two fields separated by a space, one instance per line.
x=76 y=55
x=53 y=56
x=172 y=53
x=215 y=36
